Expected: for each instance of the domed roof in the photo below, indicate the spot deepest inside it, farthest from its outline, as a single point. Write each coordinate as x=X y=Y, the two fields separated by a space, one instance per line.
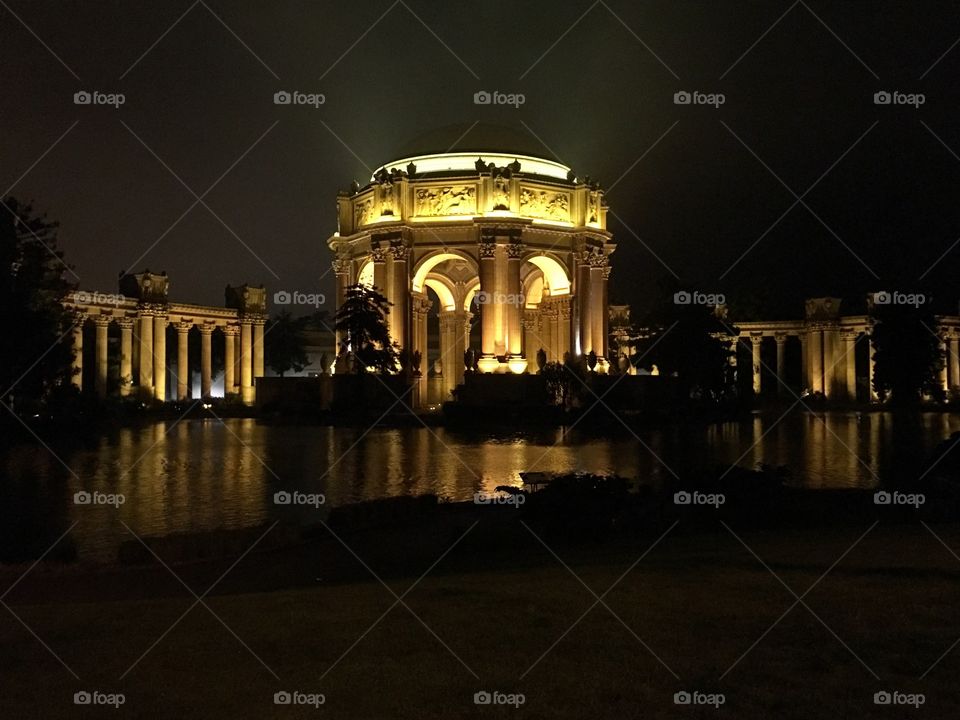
x=474 y=138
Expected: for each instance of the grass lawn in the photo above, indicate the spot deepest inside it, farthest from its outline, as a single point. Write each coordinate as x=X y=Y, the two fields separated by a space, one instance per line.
x=699 y=602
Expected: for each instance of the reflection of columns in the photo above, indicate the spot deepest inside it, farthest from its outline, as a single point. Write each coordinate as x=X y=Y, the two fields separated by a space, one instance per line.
x=954 y=361
x=160 y=357
x=145 y=379
x=400 y=296
x=815 y=359
x=514 y=305
x=230 y=333
x=258 y=348
x=781 y=361
x=872 y=349
x=756 y=342
x=77 y=376
x=183 y=364
x=126 y=355
x=488 y=311
x=246 y=361
x=849 y=363
x=102 y=322
x=206 y=361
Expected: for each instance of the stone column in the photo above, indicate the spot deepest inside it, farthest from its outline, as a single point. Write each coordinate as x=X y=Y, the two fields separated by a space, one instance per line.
x=531 y=337
x=954 y=361
x=258 y=347
x=756 y=342
x=246 y=361
x=943 y=367
x=102 y=323
x=77 y=376
x=230 y=334
x=183 y=360
x=583 y=302
x=815 y=358
x=448 y=360
x=564 y=339
x=341 y=267
x=781 y=339
x=849 y=363
x=544 y=339
x=160 y=357
x=597 y=292
x=379 y=257
x=206 y=360
x=488 y=319
x=461 y=338
x=872 y=368
x=145 y=379
x=831 y=361
x=514 y=305
x=126 y=355
x=805 y=360
x=401 y=296
x=421 y=306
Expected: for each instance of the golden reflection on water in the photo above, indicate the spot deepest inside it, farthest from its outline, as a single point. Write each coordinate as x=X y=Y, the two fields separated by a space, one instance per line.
x=203 y=474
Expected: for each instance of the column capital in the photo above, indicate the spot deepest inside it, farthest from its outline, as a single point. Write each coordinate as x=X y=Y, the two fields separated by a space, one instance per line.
x=206 y=328
x=125 y=323
x=487 y=248
x=400 y=252
x=756 y=337
x=341 y=266
x=102 y=320
x=515 y=250
x=231 y=330
x=378 y=254
x=183 y=326
x=421 y=304
x=780 y=337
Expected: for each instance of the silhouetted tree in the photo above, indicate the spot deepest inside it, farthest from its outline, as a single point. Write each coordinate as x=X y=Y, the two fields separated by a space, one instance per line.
x=908 y=359
x=362 y=321
x=36 y=350
x=285 y=344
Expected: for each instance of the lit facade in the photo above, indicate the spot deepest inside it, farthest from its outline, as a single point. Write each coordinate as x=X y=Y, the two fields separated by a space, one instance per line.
x=510 y=250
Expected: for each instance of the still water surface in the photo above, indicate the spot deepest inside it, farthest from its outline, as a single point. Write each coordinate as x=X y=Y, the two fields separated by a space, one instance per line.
x=201 y=474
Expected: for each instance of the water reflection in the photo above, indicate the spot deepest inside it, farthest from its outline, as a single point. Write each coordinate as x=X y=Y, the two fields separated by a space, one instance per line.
x=202 y=474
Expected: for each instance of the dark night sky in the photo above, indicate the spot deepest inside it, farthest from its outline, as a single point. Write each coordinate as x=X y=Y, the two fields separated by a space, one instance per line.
x=599 y=99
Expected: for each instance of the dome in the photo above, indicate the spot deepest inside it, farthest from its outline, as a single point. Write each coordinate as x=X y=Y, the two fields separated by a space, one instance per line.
x=474 y=138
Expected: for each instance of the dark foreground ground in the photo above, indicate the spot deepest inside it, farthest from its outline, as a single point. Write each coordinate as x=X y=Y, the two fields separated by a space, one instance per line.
x=694 y=611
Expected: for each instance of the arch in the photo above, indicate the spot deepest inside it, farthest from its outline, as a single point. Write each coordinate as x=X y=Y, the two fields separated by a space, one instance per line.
x=444 y=290
x=365 y=276
x=555 y=276
x=471 y=290
x=533 y=288
x=435 y=258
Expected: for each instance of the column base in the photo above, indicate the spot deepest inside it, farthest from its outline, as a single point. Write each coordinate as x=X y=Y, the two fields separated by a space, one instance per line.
x=488 y=364
x=517 y=364
x=248 y=394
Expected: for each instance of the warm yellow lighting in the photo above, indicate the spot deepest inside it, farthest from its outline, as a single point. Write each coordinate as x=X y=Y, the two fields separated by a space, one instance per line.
x=555 y=223
x=447 y=162
x=488 y=364
x=443 y=293
x=554 y=276
x=517 y=365
x=441 y=218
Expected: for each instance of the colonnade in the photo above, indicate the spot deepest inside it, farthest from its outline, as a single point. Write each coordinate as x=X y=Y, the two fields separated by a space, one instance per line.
x=143 y=361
